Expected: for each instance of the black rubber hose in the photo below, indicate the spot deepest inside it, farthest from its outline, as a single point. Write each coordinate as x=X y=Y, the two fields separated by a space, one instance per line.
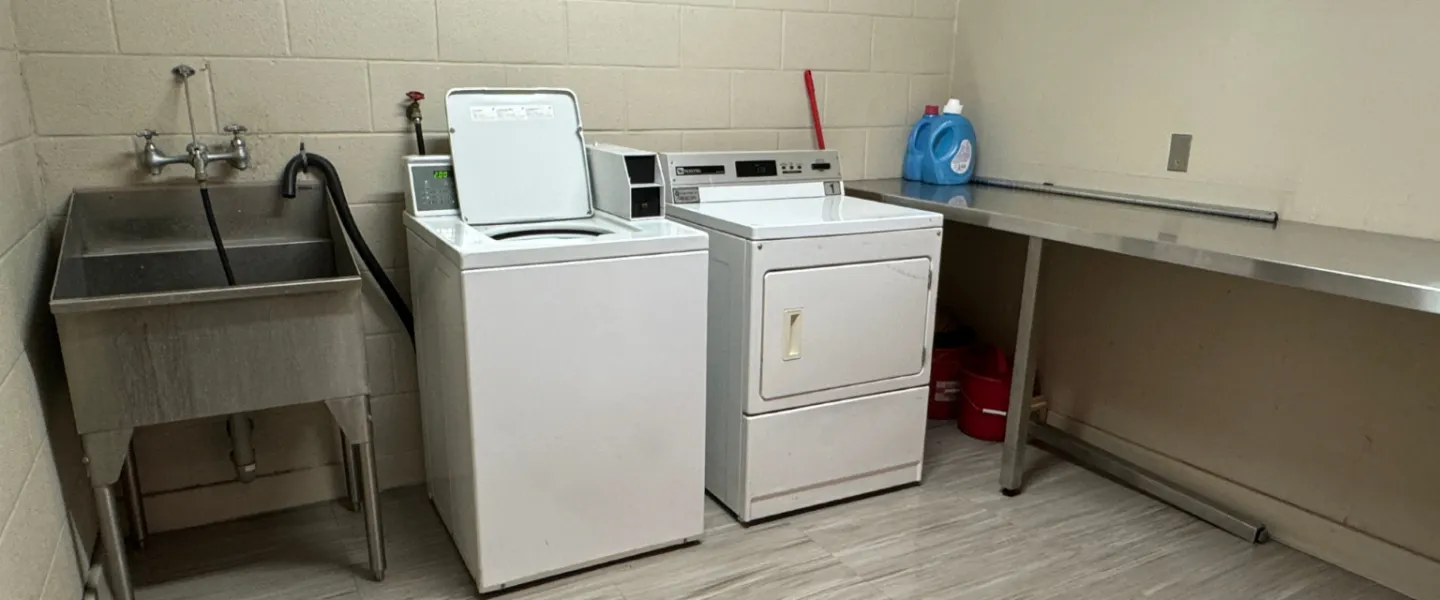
x=215 y=234
x=419 y=137
x=288 y=186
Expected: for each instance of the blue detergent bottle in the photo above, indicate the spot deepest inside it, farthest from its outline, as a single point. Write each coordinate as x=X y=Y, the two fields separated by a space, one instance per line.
x=915 y=152
x=951 y=148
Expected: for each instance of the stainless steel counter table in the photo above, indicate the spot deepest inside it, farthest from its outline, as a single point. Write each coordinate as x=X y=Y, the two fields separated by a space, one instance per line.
x=1385 y=269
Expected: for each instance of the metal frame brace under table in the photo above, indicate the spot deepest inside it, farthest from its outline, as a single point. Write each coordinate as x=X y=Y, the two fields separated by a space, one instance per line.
x=1384 y=269
x=1020 y=428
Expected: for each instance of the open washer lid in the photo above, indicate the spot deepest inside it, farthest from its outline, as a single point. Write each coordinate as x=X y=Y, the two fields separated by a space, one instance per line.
x=519 y=155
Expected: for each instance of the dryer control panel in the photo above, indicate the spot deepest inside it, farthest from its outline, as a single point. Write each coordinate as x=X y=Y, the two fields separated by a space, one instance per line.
x=764 y=175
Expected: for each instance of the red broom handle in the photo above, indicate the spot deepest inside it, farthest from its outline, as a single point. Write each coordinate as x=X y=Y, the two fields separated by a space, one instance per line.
x=814 y=110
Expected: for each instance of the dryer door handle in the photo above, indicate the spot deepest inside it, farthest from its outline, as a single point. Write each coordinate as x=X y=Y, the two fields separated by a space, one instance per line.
x=794 y=322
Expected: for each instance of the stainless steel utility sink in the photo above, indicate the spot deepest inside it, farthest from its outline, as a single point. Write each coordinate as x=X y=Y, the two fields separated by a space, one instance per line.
x=126 y=248
x=151 y=333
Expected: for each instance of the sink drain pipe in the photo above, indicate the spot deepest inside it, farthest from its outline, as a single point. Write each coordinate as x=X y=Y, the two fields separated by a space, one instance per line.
x=304 y=161
x=94 y=577
x=242 y=450
x=242 y=446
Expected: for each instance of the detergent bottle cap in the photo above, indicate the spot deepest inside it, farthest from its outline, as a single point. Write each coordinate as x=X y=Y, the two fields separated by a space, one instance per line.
x=953 y=107
x=931 y=109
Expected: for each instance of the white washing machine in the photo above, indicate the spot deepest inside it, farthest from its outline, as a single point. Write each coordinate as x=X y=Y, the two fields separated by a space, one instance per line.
x=561 y=350
x=822 y=309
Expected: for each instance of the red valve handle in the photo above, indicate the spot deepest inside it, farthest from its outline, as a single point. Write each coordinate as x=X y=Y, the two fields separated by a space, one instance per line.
x=415 y=96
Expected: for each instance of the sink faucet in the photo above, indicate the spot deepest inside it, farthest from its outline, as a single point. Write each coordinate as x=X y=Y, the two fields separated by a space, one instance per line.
x=152 y=159
x=239 y=155
x=196 y=154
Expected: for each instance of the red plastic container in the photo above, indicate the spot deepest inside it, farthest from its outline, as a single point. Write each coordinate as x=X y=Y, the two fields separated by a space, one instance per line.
x=945 y=382
x=985 y=394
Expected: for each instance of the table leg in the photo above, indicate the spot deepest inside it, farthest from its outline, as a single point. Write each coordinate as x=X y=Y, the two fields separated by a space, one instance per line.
x=112 y=543
x=134 y=500
x=1022 y=382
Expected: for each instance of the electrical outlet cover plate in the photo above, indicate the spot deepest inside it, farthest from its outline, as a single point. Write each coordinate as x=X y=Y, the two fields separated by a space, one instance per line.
x=1179 y=161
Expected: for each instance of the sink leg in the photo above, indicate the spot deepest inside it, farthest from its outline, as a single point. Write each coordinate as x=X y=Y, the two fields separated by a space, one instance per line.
x=374 y=529
x=353 y=416
x=134 y=501
x=112 y=542
x=105 y=457
x=352 y=476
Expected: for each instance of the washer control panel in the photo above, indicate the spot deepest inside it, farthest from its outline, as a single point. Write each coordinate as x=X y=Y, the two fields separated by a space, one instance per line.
x=431 y=189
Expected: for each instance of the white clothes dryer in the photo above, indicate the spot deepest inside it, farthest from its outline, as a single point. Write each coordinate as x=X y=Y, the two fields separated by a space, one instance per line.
x=822 y=309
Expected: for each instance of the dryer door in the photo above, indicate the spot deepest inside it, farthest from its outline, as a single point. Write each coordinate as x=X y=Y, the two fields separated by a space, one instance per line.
x=836 y=326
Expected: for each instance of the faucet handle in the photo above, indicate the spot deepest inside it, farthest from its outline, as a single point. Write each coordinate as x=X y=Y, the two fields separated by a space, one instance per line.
x=236 y=130
x=148 y=134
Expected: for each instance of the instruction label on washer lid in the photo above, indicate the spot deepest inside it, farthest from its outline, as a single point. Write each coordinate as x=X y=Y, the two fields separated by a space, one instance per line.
x=520 y=112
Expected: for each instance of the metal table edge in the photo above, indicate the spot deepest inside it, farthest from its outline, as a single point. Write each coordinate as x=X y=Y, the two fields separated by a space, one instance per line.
x=1360 y=286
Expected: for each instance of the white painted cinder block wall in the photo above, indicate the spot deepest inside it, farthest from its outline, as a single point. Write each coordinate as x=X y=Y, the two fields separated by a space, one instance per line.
x=660 y=75
x=40 y=553
x=1315 y=413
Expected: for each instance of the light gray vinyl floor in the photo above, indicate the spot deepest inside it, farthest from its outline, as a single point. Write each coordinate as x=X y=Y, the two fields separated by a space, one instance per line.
x=1072 y=534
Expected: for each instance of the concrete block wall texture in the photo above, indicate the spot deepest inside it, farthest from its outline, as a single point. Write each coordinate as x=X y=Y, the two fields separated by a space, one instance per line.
x=660 y=75
x=1315 y=109
x=1313 y=412
x=1284 y=117
x=40 y=474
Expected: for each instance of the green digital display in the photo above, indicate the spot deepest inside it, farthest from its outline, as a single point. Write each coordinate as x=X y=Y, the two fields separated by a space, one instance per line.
x=442 y=174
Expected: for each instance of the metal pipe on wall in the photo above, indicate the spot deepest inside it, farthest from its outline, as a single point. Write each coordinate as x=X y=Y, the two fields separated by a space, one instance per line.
x=349 y=462
x=1233 y=521
x=242 y=447
x=94 y=578
x=134 y=500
